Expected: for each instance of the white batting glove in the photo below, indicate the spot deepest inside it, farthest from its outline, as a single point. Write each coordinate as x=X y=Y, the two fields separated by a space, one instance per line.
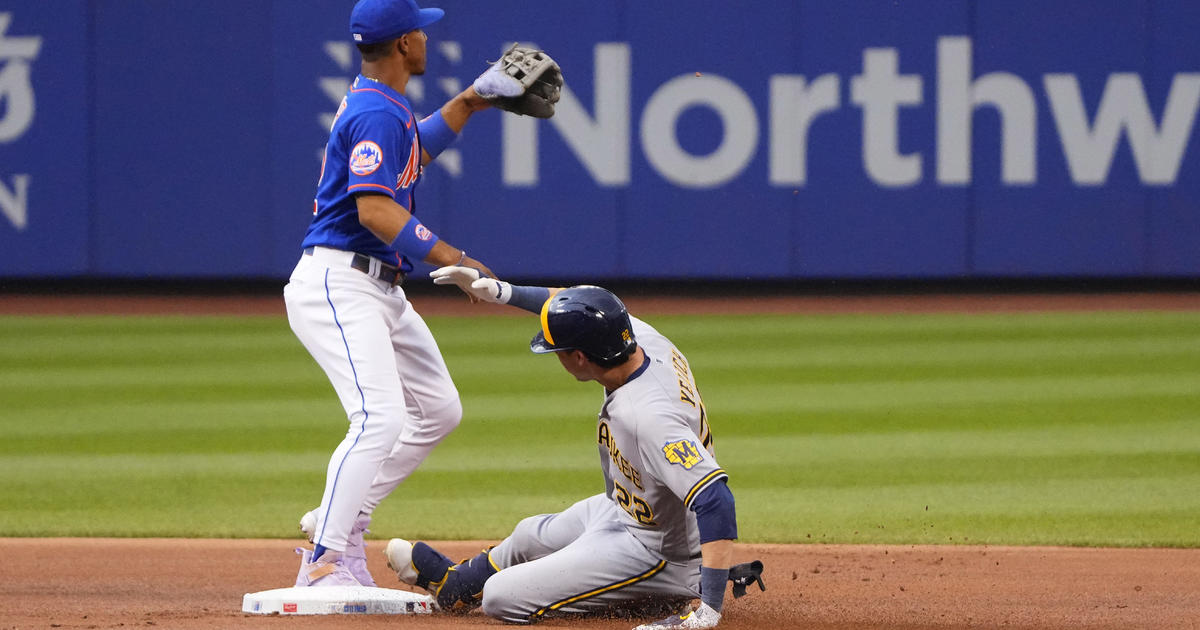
x=471 y=283
x=703 y=617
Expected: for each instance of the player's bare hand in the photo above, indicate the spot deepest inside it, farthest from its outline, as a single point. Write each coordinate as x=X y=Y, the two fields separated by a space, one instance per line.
x=483 y=270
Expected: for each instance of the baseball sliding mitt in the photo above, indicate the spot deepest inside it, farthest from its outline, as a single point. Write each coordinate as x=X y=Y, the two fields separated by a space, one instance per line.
x=524 y=81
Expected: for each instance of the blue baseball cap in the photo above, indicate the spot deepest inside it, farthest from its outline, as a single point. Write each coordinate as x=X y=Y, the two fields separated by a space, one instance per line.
x=373 y=21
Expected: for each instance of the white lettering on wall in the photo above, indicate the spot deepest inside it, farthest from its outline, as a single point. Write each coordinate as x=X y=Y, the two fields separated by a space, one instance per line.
x=794 y=107
x=1123 y=107
x=14 y=202
x=19 y=107
x=15 y=88
x=958 y=98
x=881 y=91
x=739 y=131
x=601 y=141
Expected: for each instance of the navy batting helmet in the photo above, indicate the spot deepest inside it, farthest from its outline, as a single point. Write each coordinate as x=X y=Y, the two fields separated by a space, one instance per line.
x=586 y=318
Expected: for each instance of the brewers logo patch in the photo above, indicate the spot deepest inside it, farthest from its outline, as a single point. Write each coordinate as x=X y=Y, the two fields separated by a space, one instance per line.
x=683 y=452
x=365 y=158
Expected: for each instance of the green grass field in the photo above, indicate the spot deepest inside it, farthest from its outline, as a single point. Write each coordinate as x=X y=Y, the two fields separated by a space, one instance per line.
x=1080 y=429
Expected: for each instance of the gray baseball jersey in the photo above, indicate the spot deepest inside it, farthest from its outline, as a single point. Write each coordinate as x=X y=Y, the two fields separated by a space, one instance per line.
x=655 y=449
x=639 y=541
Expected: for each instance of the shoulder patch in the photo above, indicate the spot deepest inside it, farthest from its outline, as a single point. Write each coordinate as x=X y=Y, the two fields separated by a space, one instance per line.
x=365 y=158
x=683 y=452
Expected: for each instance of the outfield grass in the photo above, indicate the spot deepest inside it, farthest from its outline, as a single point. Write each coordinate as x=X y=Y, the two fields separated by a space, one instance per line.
x=1079 y=429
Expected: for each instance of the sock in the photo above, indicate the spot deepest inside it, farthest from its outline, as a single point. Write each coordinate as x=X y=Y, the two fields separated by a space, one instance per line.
x=712 y=586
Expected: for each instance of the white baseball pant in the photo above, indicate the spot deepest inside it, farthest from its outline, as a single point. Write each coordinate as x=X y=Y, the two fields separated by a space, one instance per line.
x=388 y=373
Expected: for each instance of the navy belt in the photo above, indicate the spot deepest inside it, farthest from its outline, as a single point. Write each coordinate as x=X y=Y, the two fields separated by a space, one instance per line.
x=385 y=272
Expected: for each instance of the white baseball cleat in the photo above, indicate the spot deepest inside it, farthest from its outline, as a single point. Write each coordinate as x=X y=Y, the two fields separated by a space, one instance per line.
x=399 y=559
x=355 y=557
x=702 y=618
x=323 y=572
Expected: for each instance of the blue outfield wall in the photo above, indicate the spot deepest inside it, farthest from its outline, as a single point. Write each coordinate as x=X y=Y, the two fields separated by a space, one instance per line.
x=804 y=139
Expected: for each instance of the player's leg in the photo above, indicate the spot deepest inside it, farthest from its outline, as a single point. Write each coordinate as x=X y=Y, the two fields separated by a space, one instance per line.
x=579 y=560
x=337 y=315
x=459 y=586
x=538 y=536
x=431 y=398
x=602 y=570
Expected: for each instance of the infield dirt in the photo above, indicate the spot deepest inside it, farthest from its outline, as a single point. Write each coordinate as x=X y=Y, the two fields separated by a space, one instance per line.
x=199 y=584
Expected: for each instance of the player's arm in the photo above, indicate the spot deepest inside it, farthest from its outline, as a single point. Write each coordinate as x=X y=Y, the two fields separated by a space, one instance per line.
x=441 y=129
x=673 y=454
x=716 y=519
x=492 y=289
x=391 y=223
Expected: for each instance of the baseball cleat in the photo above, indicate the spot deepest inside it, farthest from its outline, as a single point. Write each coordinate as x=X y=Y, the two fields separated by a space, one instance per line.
x=356 y=551
x=323 y=572
x=399 y=559
x=702 y=618
x=355 y=556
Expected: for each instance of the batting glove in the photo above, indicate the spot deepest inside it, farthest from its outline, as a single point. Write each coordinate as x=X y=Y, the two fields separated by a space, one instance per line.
x=470 y=281
x=703 y=617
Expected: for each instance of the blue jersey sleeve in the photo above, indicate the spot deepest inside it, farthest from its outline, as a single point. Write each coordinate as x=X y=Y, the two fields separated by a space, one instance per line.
x=384 y=157
x=715 y=513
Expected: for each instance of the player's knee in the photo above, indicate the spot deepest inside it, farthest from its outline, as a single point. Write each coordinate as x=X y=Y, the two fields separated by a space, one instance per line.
x=447 y=419
x=525 y=533
x=501 y=600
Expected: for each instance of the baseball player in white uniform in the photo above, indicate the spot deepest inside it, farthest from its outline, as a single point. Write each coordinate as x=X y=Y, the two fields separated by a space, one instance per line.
x=662 y=532
x=344 y=299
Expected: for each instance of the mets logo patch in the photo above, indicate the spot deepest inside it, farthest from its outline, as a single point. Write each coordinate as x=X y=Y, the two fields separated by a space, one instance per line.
x=365 y=158
x=423 y=232
x=683 y=452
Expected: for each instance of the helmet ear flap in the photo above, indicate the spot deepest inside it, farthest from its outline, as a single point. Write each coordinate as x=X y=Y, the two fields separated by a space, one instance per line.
x=617 y=359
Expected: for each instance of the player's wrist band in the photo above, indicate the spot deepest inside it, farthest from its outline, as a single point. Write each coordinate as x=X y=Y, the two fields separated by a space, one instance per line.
x=712 y=586
x=529 y=298
x=436 y=135
x=414 y=240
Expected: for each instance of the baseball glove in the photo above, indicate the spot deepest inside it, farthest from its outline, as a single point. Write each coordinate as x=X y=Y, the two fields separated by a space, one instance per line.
x=524 y=81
